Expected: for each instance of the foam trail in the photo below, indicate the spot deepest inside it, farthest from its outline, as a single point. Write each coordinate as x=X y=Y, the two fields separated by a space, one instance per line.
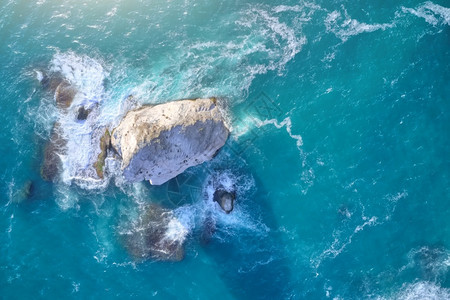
x=344 y=27
x=297 y=8
x=287 y=122
x=432 y=13
x=226 y=66
x=307 y=174
x=338 y=246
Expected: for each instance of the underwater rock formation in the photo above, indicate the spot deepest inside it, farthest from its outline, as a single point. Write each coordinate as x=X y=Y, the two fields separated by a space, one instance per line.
x=54 y=148
x=157 y=234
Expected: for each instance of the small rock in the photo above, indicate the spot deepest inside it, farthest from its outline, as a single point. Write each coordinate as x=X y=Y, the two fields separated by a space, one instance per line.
x=83 y=113
x=225 y=199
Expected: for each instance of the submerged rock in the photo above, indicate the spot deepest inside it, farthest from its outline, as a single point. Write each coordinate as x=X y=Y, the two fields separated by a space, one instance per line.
x=157 y=235
x=25 y=193
x=54 y=148
x=159 y=142
x=28 y=189
x=208 y=230
x=49 y=82
x=225 y=199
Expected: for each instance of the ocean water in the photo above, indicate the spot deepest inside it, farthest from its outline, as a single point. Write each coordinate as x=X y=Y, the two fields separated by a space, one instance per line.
x=340 y=148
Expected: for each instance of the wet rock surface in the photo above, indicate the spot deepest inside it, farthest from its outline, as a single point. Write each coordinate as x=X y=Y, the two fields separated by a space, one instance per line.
x=83 y=113
x=225 y=199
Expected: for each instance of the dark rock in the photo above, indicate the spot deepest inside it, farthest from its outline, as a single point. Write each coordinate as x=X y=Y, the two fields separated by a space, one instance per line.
x=225 y=199
x=83 y=113
x=148 y=238
x=64 y=94
x=54 y=148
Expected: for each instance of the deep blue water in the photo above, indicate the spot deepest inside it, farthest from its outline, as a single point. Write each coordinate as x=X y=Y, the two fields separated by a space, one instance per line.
x=340 y=148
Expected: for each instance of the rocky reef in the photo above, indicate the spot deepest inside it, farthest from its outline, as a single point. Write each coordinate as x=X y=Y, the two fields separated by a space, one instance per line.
x=157 y=234
x=159 y=142
x=151 y=142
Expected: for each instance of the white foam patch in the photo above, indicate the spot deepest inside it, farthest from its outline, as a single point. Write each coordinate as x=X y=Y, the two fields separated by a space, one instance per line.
x=83 y=72
x=39 y=75
x=344 y=27
x=176 y=231
x=66 y=198
x=193 y=216
x=421 y=290
x=278 y=32
x=303 y=7
x=87 y=75
x=432 y=13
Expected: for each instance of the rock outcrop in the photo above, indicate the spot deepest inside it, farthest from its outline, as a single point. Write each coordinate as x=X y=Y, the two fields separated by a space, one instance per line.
x=225 y=199
x=159 y=142
x=105 y=143
x=156 y=235
x=83 y=113
x=64 y=94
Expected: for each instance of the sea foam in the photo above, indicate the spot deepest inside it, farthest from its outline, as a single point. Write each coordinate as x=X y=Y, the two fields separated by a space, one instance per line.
x=343 y=26
x=432 y=13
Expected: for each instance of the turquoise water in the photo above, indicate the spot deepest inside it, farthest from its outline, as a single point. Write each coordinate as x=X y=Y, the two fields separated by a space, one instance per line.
x=340 y=148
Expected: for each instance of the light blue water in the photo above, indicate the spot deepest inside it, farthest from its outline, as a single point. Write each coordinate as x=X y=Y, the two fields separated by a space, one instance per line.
x=340 y=148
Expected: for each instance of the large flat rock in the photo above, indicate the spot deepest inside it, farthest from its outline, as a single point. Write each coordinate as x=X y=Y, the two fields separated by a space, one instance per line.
x=159 y=142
